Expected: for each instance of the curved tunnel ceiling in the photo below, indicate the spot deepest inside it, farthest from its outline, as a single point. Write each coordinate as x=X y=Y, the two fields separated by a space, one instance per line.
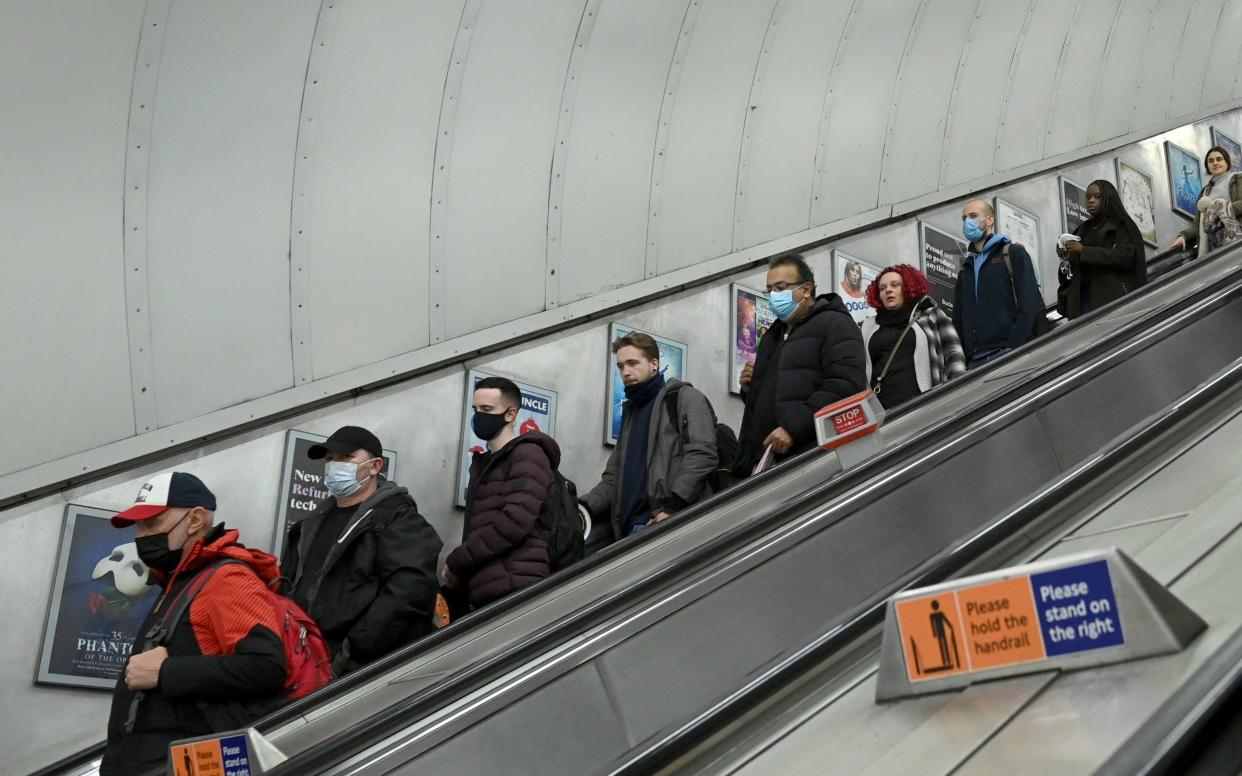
x=225 y=210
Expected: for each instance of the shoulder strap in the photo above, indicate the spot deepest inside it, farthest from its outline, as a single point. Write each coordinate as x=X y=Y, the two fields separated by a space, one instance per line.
x=893 y=354
x=177 y=609
x=1013 y=286
x=674 y=416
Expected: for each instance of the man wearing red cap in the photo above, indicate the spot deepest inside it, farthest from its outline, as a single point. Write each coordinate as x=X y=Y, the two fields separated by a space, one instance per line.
x=209 y=657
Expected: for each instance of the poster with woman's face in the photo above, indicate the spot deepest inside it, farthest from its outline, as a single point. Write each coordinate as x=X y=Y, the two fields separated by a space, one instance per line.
x=752 y=317
x=851 y=276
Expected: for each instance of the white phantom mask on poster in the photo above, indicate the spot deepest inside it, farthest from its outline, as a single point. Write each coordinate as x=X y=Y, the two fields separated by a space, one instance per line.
x=129 y=574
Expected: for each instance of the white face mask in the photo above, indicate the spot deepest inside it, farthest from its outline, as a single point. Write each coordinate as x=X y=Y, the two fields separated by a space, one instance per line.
x=341 y=477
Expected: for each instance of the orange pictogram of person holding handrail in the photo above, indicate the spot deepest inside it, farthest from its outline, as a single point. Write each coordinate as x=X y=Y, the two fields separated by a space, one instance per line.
x=930 y=629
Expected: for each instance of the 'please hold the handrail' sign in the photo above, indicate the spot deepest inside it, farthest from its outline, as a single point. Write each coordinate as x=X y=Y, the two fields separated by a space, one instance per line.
x=1072 y=612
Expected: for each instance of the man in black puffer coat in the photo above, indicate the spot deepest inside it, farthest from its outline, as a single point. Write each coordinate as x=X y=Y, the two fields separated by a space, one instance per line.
x=502 y=547
x=811 y=357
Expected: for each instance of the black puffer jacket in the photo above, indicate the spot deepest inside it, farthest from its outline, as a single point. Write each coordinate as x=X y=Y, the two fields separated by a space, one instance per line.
x=377 y=587
x=822 y=361
x=502 y=549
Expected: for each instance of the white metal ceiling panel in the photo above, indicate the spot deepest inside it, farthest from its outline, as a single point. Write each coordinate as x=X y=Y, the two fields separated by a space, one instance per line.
x=1113 y=107
x=608 y=165
x=222 y=149
x=784 y=120
x=924 y=92
x=371 y=186
x=1197 y=55
x=496 y=230
x=858 y=108
x=974 y=116
x=695 y=217
x=1156 y=84
x=1078 y=77
x=1029 y=95
x=1222 y=73
x=68 y=69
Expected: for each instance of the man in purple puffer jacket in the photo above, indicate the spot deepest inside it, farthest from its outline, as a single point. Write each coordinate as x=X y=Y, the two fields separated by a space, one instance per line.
x=502 y=548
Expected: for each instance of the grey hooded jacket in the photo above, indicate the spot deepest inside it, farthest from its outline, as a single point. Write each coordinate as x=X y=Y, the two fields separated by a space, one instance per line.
x=679 y=459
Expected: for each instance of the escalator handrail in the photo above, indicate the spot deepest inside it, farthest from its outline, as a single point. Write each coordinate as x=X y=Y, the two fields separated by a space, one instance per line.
x=937 y=435
x=869 y=616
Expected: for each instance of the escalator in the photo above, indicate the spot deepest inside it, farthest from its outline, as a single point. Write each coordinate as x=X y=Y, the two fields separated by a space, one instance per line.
x=638 y=640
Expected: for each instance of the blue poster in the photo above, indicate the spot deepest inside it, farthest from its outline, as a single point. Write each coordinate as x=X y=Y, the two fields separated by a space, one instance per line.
x=672 y=363
x=1077 y=609
x=1185 y=179
x=99 y=601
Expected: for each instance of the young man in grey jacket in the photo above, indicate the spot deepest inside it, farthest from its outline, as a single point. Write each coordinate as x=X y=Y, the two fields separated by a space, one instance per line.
x=664 y=455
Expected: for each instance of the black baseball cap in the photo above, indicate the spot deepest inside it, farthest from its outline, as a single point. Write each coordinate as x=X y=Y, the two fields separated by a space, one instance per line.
x=345 y=440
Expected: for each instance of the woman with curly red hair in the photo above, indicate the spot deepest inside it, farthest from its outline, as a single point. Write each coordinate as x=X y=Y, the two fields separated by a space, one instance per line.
x=911 y=342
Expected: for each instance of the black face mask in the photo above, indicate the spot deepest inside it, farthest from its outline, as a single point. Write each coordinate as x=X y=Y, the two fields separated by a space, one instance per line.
x=487 y=425
x=154 y=551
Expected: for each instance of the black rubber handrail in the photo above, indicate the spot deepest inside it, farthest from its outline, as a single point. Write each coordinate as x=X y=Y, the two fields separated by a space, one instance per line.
x=1172 y=738
x=462 y=683
x=480 y=619
x=866 y=618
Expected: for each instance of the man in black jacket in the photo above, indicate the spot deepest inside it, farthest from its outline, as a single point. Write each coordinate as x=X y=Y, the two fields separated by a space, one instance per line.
x=811 y=357
x=364 y=565
x=994 y=311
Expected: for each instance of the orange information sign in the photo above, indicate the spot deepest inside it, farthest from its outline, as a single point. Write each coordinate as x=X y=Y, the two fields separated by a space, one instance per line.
x=225 y=756
x=972 y=629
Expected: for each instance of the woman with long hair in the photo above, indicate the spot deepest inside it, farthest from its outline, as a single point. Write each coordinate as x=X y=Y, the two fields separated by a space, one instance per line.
x=1107 y=261
x=911 y=343
x=1220 y=207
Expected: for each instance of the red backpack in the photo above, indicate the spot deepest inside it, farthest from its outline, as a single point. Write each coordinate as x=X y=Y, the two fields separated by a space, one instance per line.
x=308 y=662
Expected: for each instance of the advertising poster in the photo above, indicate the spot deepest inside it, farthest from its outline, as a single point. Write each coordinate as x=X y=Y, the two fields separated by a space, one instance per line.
x=99 y=599
x=672 y=364
x=1136 y=190
x=850 y=278
x=752 y=317
x=1185 y=180
x=301 y=483
x=1073 y=204
x=1022 y=226
x=943 y=254
x=537 y=413
x=1229 y=144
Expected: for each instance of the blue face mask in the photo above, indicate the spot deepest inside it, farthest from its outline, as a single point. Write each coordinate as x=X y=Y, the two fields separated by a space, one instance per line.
x=972 y=230
x=783 y=303
x=341 y=478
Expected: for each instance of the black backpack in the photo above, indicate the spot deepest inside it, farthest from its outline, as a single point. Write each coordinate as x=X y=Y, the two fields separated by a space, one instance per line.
x=1042 y=324
x=726 y=442
x=560 y=523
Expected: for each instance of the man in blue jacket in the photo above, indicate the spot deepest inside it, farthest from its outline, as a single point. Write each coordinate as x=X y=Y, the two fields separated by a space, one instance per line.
x=997 y=299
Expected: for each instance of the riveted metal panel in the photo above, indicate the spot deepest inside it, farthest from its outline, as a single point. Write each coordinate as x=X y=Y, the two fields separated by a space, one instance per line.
x=437 y=245
x=305 y=157
x=924 y=91
x=607 y=170
x=1030 y=91
x=695 y=218
x=783 y=119
x=66 y=385
x=857 y=112
x=1155 y=84
x=1222 y=72
x=1113 y=107
x=560 y=151
x=370 y=188
x=222 y=149
x=1194 y=58
x=1073 y=95
x=974 y=116
x=496 y=227
x=137 y=180
x=752 y=100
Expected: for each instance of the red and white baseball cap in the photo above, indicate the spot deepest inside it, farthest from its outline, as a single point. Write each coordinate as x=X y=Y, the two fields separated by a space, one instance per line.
x=171 y=489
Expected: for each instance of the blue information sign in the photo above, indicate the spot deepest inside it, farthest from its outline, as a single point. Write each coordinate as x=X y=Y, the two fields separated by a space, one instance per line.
x=1077 y=609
